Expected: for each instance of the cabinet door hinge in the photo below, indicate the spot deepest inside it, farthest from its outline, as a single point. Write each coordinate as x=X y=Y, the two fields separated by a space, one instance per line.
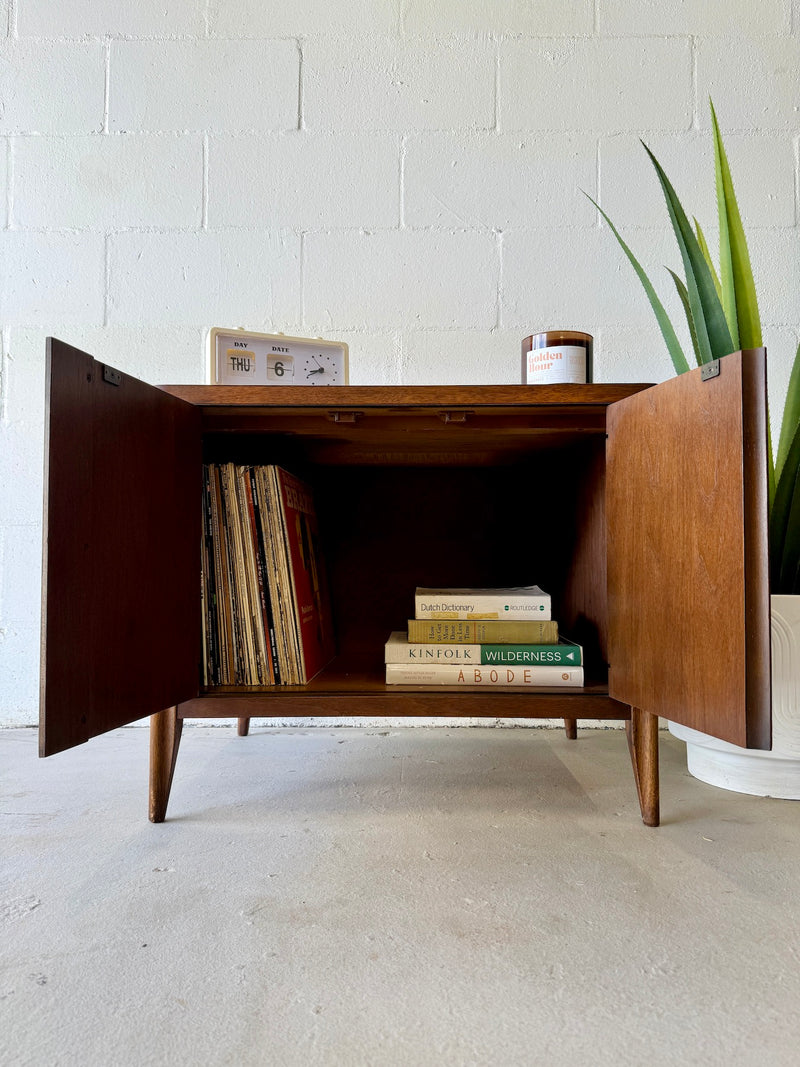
x=113 y=377
x=709 y=370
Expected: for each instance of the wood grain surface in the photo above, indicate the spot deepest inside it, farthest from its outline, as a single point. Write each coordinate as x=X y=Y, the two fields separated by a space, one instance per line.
x=121 y=607
x=687 y=551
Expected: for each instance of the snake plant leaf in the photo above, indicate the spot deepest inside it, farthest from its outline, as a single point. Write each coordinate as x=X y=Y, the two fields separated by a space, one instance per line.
x=784 y=523
x=784 y=526
x=738 y=287
x=677 y=356
x=791 y=415
x=701 y=240
x=713 y=336
x=684 y=298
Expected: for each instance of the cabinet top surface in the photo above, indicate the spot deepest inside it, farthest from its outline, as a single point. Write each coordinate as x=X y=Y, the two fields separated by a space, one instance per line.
x=383 y=396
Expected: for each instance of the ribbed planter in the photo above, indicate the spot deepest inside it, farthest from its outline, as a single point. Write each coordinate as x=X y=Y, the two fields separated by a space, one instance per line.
x=764 y=774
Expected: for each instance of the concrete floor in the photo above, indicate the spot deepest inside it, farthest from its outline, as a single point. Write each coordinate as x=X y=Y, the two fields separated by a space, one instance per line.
x=391 y=897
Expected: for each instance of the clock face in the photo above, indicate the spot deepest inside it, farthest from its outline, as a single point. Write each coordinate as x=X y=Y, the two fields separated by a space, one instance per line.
x=240 y=357
x=319 y=368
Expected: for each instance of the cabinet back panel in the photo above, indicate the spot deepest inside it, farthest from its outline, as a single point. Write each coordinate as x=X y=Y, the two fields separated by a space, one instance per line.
x=388 y=530
x=537 y=518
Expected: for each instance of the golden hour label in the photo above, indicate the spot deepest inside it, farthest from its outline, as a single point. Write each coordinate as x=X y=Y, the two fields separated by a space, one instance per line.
x=559 y=363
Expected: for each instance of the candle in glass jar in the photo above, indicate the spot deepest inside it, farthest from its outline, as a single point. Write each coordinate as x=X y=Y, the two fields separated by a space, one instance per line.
x=557 y=356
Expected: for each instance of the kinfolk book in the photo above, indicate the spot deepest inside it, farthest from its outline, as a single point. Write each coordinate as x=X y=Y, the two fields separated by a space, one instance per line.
x=399 y=649
x=513 y=603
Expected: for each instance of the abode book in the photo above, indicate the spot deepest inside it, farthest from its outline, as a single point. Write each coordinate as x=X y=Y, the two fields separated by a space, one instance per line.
x=398 y=649
x=516 y=602
x=482 y=631
x=461 y=674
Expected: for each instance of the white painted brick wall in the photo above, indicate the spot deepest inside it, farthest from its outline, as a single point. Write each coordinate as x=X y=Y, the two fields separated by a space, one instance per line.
x=54 y=87
x=5 y=151
x=217 y=276
x=596 y=83
x=577 y=278
x=51 y=275
x=499 y=181
x=304 y=180
x=762 y=165
x=671 y=17
x=402 y=175
x=203 y=85
x=756 y=79
x=384 y=83
x=498 y=17
x=100 y=18
x=432 y=278
x=127 y=180
x=255 y=18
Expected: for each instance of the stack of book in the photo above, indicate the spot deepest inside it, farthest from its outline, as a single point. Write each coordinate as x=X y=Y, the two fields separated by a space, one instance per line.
x=266 y=609
x=482 y=637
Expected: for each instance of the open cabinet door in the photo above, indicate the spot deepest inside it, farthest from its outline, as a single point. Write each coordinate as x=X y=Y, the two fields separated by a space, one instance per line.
x=121 y=623
x=688 y=568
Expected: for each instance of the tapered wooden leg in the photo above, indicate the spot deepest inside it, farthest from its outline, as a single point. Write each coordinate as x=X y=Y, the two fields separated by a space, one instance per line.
x=165 y=737
x=244 y=727
x=642 y=731
x=571 y=726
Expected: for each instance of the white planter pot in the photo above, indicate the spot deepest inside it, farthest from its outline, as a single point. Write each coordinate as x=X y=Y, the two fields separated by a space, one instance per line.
x=764 y=774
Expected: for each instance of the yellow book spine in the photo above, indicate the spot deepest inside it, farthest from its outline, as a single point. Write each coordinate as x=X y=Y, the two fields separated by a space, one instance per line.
x=482 y=631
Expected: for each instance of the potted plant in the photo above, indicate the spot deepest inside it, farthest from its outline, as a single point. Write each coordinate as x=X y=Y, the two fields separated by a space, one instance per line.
x=722 y=314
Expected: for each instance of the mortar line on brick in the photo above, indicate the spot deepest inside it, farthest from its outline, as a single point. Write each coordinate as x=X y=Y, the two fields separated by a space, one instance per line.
x=9 y=183
x=695 y=98
x=399 y=354
x=496 y=126
x=303 y=277
x=4 y=343
x=204 y=186
x=301 y=119
x=106 y=85
x=107 y=279
x=401 y=177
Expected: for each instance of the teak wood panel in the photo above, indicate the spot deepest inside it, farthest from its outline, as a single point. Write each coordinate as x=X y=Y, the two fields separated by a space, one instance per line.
x=368 y=697
x=121 y=611
x=418 y=425
x=395 y=397
x=688 y=557
x=582 y=597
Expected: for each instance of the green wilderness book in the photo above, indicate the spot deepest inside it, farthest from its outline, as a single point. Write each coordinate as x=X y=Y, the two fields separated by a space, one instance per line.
x=482 y=632
x=399 y=649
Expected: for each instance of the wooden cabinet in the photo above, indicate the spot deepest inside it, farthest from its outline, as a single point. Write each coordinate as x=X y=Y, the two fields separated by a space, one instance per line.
x=642 y=510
